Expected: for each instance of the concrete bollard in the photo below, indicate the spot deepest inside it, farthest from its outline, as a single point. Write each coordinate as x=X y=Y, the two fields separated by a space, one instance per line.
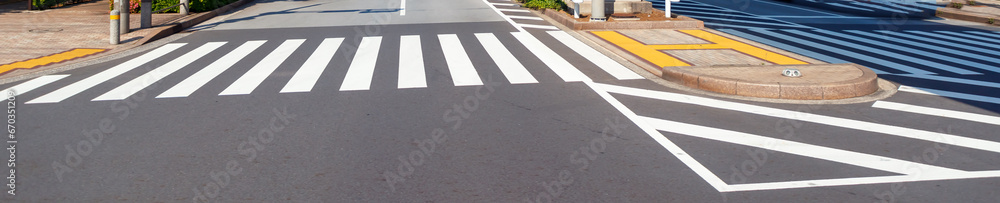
x=597 y=10
x=184 y=7
x=115 y=32
x=123 y=5
x=146 y=10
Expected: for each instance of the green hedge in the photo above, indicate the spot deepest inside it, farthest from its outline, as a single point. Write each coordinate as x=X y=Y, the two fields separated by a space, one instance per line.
x=544 y=4
x=45 y=4
x=195 y=5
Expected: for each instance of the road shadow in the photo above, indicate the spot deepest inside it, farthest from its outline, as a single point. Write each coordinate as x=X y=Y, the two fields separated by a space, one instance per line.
x=287 y=11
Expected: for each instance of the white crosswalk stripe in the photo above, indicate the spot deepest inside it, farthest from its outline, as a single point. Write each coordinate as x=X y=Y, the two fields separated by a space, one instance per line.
x=462 y=71
x=29 y=85
x=308 y=74
x=358 y=75
x=943 y=93
x=94 y=80
x=200 y=78
x=510 y=66
x=938 y=42
x=885 y=51
x=411 y=63
x=524 y=17
x=141 y=82
x=252 y=78
x=938 y=112
x=990 y=35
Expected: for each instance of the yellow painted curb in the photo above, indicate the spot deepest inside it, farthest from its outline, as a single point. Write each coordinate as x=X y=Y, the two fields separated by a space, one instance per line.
x=46 y=60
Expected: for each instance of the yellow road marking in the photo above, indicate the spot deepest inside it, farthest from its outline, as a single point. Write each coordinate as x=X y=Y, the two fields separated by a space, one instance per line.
x=639 y=49
x=55 y=58
x=652 y=52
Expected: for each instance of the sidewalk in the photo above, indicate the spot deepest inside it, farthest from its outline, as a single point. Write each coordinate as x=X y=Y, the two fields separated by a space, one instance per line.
x=981 y=11
x=31 y=34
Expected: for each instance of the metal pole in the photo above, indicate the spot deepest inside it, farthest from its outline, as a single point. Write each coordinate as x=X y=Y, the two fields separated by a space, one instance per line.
x=184 y=7
x=666 y=8
x=123 y=7
x=146 y=10
x=597 y=10
x=576 y=10
x=115 y=35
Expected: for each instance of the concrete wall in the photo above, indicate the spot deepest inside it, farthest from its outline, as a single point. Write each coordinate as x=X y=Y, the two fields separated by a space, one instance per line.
x=614 y=6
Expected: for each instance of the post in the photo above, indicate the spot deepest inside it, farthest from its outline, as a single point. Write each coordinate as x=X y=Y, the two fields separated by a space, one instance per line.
x=666 y=7
x=115 y=35
x=184 y=7
x=30 y=6
x=123 y=7
x=597 y=10
x=576 y=8
x=146 y=10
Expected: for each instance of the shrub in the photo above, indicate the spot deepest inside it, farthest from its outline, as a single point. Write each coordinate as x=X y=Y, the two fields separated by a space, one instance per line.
x=544 y=4
x=956 y=5
x=45 y=4
x=991 y=21
x=971 y=2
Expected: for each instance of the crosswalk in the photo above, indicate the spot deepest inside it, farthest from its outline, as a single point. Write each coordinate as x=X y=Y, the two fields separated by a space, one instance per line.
x=357 y=76
x=518 y=17
x=662 y=127
x=719 y=17
x=889 y=52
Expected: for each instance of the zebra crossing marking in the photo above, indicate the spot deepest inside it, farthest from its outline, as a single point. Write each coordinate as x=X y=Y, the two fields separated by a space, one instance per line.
x=943 y=93
x=913 y=51
x=850 y=7
x=463 y=72
x=913 y=43
x=94 y=80
x=787 y=47
x=560 y=66
x=602 y=61
x=968 y=34
x=890 y=54
x=879 y=7
x=29 y=85
x=200 y=78
x=135 y=85
x=511 y=68
x=252 y=78
x=411 y=63
x=802 y=149
x=937 y=112
x=848 y=54
x=544 y=27
x=991 y=35
x=953 y=80
x=938 y=42
x=525 y=17
x=504 y=16
x=359 y=74
x=967 y=43
x=307 y=75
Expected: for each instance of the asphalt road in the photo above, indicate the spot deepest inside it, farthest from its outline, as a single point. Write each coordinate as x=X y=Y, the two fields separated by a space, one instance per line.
x=355 y=101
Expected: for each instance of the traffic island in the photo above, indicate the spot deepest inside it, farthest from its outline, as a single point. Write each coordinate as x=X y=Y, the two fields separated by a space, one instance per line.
x=733 y=67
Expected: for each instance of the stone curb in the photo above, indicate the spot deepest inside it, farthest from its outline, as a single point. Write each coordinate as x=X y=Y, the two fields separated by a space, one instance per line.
x=861 y=86
x=684 y=23
x=167 y=30
x=958 y=14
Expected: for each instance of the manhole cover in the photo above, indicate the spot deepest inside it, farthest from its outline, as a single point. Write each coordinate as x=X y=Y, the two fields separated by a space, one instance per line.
x=45 y=30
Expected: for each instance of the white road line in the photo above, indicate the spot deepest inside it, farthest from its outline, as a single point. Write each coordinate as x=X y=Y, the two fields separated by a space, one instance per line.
x=849 y=7
x=80 y=86
x=253 y=77
x=913 y=51
x=802 y=149
x=524 y=17
x=362 y=69
x=793 y=49
x=937 y=112
x=505 y=4
x=943 y=93
x=939 y=42
x=733 y=26
x=514 y=10
x=796 y=7
x=847 y=53
x=991 y=35
x=200 y=78
x=980 y=144
x=924 y=6
x=749 y=22
x=879 y=7
x=463 y=73
x=966 y=42
x=307 y=75
x=827 y=17
x=890 y=54
x=995 y=38
x=719 y=14
x=602 y=61
x=29 y=85
x=508 y=64
x=560 y=66
x=504 y=16
x=954 y=80
x=402 y=8
x=674 y=5
x=858 y=181
x=675 y=150
x=897 y=6
x=545 y=27
x=411 y=63
x=918 y=44
x=139 y=83
x=981 y=43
